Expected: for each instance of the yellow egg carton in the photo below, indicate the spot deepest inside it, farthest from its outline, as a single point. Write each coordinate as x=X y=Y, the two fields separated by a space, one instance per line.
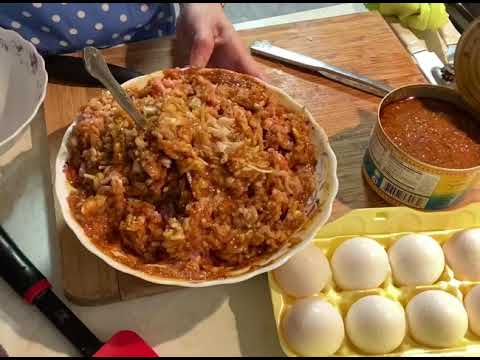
x=386 y=225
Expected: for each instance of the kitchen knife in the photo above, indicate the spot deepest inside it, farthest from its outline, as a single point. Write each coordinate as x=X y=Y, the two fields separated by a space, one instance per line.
x=425 y=59
x=450 y=36
x=268 y=50
x=34 y=288
x=69 y=70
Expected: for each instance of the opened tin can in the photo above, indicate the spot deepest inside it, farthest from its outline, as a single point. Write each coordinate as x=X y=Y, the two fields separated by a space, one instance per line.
x=401 y=179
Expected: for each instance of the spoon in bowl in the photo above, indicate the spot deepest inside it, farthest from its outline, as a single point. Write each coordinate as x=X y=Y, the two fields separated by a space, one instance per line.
x=97 y=67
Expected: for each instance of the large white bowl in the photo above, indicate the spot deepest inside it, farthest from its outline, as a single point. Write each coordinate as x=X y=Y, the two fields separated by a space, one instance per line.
x=326 y=190
x=23 y=85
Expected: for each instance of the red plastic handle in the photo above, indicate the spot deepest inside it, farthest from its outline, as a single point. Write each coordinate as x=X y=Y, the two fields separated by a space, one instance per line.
x=126 y=343
x=37 y=289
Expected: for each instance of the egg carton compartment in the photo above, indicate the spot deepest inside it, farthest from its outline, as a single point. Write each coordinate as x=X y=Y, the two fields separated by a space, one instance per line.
x=386 y=226
x=342 y=301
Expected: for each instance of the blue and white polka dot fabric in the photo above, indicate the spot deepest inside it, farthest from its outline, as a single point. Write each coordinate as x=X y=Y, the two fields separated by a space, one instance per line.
x=56 y=28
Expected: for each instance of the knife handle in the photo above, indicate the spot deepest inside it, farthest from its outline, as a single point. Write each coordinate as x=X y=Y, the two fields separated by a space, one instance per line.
x=29 y=283
x=70 y=70
x=18 y=271
x=67 y=322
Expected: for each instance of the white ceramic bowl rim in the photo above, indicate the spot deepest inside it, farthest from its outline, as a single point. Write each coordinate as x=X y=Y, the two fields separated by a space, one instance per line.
x=320 y=217
x=41 y=65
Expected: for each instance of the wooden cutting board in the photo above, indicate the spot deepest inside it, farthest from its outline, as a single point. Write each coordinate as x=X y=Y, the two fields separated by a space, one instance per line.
x=361 y=43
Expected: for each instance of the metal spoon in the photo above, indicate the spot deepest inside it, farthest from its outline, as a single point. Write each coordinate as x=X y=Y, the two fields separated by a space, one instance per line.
x=97 y=67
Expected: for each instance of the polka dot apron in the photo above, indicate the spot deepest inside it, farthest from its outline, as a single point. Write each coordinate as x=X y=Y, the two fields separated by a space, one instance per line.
x=56 y=28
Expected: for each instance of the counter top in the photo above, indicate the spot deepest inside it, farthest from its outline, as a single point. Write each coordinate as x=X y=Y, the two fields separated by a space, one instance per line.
x=228 y=320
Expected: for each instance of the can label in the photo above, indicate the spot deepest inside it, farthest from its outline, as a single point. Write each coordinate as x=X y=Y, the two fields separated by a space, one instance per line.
x=400 y=179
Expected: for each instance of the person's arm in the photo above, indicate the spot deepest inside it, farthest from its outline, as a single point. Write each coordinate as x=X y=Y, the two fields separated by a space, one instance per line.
x=207 y=38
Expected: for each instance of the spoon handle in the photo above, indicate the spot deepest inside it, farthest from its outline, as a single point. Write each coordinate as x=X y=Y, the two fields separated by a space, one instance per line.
x=97 y=67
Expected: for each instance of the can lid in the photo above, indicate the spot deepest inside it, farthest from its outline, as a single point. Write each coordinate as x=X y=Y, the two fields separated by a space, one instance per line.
x=467 y=65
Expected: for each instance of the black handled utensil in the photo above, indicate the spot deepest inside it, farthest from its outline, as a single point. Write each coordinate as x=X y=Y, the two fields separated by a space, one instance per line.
x=34 y=288
x=69 y=70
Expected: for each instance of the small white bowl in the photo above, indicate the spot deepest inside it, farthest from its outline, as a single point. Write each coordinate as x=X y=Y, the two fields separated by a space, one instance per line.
x=326 y=191
x=23 y=86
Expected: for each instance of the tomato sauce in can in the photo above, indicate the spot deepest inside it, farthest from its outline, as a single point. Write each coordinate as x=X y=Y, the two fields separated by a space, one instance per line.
x=424 y=151
x=423 y=157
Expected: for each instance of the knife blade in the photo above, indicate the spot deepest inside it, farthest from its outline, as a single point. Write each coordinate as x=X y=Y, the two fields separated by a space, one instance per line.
x=450 y=36
x=69 y=70
x=268 y=50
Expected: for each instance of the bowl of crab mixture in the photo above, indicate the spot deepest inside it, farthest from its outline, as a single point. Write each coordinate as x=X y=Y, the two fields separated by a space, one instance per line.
x=228 y=178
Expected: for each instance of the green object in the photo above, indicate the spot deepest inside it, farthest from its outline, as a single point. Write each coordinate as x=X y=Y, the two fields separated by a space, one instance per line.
x=438 y=16
x=372 y=6
x=420 y=21
x=416 y=16
x=399 y=9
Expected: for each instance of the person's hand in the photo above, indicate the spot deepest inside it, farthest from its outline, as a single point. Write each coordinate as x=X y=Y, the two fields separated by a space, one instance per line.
x=206 y=38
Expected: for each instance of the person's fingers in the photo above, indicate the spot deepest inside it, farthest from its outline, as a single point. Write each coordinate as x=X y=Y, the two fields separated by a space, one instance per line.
x=202 y=48
x=252 y=68
x=248 y=65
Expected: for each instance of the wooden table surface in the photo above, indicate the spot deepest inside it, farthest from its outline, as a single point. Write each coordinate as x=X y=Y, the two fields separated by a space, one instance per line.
x=361 y=43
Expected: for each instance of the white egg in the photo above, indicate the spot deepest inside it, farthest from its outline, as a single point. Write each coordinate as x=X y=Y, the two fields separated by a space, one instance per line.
x=462 y=252
x=305 y=274
x=416 y=260
x=313 y=327
x=360 y=263
x=472 y=304
x=437 y=318
x=375 y=324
